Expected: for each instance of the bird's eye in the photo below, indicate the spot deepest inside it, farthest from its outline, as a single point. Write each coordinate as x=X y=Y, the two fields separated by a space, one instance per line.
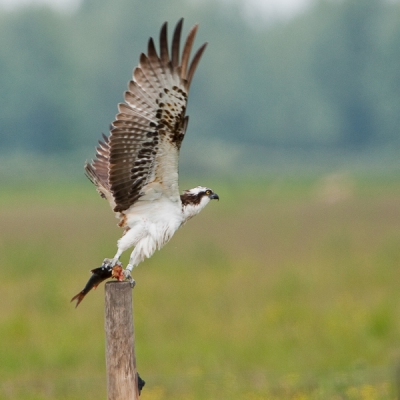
x=208 y=192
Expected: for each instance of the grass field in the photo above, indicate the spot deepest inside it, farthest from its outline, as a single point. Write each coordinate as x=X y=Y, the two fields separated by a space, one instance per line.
x=288 y=289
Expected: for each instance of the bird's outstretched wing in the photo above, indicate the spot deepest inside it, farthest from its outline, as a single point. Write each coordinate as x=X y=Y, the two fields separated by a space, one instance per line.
x=140 y=157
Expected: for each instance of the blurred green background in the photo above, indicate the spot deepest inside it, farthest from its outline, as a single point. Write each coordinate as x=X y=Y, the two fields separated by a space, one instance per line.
x=287 y=288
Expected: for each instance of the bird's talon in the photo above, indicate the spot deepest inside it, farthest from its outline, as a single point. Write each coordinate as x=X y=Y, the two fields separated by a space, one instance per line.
x=110 y=263
x=128 y=277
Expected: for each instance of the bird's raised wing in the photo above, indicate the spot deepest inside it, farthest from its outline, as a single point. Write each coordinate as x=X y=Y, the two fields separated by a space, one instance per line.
x=141 y=154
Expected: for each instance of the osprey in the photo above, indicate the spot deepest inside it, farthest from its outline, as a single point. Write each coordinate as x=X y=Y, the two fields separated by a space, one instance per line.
x=136 y=166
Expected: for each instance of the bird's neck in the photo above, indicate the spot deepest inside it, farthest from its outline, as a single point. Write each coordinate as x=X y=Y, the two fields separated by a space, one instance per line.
x=189 y=210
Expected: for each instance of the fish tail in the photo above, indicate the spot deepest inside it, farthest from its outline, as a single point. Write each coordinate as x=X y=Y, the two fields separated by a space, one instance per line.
x=79 y=297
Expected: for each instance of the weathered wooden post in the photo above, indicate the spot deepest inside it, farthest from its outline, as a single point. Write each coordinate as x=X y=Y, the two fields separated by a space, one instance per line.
x=122 y=381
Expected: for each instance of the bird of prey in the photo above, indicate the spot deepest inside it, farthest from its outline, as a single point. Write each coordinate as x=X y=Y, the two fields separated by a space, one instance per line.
x=136 y=166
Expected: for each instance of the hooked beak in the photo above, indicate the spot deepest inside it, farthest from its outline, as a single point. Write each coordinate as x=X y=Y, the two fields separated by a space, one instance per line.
x=214 y=196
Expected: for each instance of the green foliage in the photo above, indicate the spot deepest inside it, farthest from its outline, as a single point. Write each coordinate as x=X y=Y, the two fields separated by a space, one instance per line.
x=328 y=78
x=283 y=290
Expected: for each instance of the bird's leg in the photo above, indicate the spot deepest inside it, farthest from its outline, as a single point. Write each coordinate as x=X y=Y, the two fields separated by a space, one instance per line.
x=110 y=263
x=127 y=273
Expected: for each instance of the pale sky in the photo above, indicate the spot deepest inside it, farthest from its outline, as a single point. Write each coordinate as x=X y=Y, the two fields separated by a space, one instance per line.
x=270 y=8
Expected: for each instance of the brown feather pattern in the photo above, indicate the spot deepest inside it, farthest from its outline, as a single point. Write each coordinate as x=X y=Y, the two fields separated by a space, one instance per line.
x=150 y=126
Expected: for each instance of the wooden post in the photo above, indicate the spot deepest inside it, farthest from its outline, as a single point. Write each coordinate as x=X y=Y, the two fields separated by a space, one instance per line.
x=122 y=382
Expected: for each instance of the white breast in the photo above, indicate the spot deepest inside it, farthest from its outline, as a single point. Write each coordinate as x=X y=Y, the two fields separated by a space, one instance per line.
x=151 y=225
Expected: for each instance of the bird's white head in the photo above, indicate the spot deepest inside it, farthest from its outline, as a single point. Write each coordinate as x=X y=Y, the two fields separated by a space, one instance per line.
x=194 y=200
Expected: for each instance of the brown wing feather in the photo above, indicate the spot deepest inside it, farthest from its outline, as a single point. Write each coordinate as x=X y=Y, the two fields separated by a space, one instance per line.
x=143 y=147
x=176 y=44
x=98 y=169
x=187 y=49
